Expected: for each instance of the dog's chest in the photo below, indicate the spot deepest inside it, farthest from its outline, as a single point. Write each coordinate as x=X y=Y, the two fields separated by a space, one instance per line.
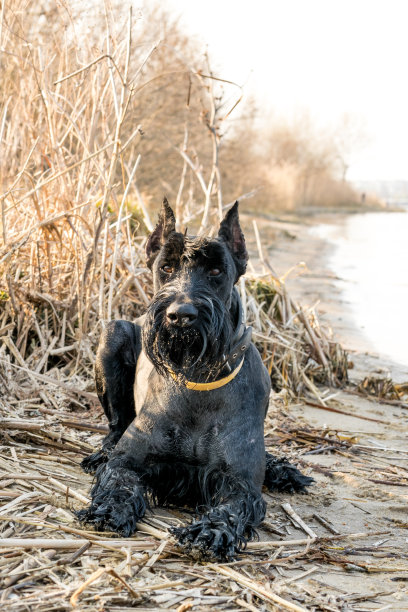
x=141 y=387
x=184 y=423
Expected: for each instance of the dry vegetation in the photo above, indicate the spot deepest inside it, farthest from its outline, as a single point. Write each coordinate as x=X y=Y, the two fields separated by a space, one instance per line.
x=91 y=135
x=293 y=165
x=81 y=132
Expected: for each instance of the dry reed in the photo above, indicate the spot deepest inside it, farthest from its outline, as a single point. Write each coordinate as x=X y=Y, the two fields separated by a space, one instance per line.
x=74 y=222
x=73 y=228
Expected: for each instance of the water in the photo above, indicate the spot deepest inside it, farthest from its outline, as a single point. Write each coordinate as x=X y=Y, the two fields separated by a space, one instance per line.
x=371 y=259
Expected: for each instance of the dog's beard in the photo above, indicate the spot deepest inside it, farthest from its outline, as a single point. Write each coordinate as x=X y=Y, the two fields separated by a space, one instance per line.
x=197 y=352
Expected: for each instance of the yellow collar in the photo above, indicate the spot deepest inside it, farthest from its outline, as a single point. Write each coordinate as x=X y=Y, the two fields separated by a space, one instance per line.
x=216 y=384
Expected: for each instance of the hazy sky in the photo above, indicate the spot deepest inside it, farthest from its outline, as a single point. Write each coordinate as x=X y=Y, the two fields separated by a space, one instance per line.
x=329 y=57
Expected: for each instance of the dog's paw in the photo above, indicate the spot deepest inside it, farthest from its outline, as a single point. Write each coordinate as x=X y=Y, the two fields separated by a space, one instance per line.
x=118 y=510
x=92 y=462
x=213 y=536
x=282 y=476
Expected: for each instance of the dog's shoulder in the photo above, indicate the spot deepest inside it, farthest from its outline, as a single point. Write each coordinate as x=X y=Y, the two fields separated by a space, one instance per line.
x=256 y=366
x=259 y=377
x=121 y=339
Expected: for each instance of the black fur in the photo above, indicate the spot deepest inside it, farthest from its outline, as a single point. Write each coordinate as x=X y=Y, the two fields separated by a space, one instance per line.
x=169 y=444
x=280 y=475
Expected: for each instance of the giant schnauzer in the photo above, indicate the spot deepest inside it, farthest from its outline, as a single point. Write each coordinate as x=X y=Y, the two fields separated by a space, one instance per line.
x=186 y=394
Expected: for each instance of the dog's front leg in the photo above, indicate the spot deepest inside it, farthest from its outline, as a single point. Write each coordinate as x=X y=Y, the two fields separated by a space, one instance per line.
x=115 y=366
x=225 y=527
x=118 y=495
x=118 y=498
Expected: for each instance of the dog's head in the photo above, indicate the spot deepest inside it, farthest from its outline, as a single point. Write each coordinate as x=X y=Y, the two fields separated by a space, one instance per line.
x=190 y=322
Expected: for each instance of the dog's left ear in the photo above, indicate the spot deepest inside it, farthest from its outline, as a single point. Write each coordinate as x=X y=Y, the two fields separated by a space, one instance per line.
x=165 y=226
x=230 y=232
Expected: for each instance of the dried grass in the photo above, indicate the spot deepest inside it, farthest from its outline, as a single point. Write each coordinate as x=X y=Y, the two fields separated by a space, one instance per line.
x=49 y=562
x=73 y=221
x=383 y=388
x=73 y=228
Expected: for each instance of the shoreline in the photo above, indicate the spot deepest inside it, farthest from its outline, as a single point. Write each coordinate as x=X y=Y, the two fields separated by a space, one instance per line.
x=292 y=245
x=362 y=487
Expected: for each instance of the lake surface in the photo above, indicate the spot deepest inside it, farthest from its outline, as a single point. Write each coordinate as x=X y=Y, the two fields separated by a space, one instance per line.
x=371 y=260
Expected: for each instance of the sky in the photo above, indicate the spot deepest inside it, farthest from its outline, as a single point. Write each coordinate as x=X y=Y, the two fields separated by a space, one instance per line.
x=323 y=58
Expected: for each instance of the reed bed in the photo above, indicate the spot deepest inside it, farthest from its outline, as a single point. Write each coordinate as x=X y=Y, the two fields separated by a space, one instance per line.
x=73 y=228
x=74 y=221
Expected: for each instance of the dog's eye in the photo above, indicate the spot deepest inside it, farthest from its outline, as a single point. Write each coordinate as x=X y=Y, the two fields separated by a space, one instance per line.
x=215 y=272
x=168 y=269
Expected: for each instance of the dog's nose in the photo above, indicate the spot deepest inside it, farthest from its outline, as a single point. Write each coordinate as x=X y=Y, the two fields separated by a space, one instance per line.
x=181 y=314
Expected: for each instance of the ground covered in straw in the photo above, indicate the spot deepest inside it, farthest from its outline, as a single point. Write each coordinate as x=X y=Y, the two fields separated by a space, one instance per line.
x=341 y=547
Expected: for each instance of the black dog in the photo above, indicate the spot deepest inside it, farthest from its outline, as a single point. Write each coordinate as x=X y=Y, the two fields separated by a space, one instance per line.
x=188 y=370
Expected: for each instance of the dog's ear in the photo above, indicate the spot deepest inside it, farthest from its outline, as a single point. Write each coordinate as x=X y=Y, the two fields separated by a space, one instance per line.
x=165 y=226
x=230 y=232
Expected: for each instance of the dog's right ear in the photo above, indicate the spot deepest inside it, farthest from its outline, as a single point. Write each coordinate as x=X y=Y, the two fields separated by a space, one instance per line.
x=165 y=226
x=231 y=233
